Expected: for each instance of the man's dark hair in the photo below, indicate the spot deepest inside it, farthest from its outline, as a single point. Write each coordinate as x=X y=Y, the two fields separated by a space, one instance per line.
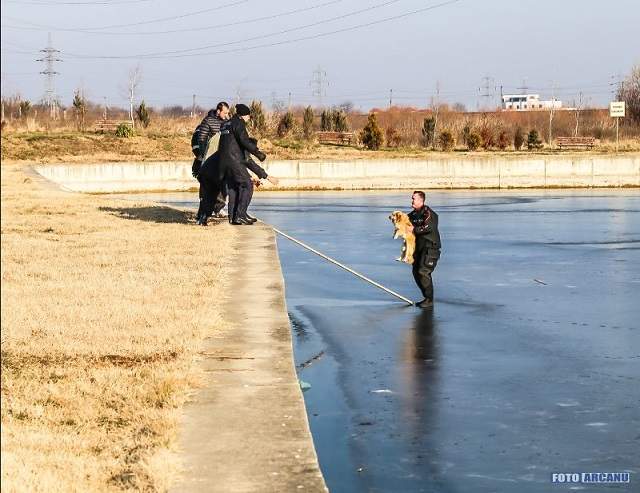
x=222 y=104
x=421 y=193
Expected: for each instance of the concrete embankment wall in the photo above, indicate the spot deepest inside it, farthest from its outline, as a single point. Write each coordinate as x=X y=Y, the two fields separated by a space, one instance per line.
x=446 y=172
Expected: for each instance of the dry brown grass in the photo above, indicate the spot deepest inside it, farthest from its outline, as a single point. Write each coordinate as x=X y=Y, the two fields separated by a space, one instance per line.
x=74 y=147
x=104 y=305
x=91 y=147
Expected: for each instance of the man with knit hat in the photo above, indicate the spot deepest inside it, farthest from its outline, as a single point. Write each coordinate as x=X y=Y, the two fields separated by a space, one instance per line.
x=234 y=141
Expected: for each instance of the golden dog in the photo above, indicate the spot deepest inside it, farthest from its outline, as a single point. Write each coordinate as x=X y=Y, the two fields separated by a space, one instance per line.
x=403 y=230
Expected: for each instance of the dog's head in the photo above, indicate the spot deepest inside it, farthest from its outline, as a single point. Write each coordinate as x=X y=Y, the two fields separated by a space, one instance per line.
x=396 y=217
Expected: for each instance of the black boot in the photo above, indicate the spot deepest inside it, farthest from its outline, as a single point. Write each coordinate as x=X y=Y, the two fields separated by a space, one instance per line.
x=250 y=218
x=201 y=220
x=241 y=221
x=425 y=303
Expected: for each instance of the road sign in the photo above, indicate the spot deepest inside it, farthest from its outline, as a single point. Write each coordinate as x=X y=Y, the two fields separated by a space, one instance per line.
x=616 y=109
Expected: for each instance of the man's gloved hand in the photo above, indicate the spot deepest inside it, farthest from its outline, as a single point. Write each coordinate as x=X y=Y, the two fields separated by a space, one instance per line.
x=195 y=167
x=261 y=156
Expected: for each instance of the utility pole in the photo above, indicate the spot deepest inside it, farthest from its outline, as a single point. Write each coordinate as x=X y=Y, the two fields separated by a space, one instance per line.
x=135 y=75
x=193 y=106
x=49 y=58
x=289 y=107
x=578 y=108
x=318 y=83
x=390 y=98
x=436 y=109
x=551 y=112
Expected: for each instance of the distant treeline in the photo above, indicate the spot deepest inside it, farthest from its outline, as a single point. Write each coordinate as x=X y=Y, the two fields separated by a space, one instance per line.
x=441 y=127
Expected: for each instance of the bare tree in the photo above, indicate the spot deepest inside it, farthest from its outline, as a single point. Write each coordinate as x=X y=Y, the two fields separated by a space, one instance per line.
x=459 y=108
x=347 y=107
x=579 y=106
x=629 y=92
x=435 y=109
x=80 y=108
x=135 y=77
x=552 y=111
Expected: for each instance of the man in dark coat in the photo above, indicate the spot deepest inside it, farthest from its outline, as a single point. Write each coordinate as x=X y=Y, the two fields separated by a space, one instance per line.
x=200 y=140
x=208 y=127
x=240 y=186
x=425 y=227
x=234 y=141
x=213 y=193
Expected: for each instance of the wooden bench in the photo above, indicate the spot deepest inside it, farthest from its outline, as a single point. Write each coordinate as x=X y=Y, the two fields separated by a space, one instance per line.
x=576 y=142
x=110 y=125
x=336 y=138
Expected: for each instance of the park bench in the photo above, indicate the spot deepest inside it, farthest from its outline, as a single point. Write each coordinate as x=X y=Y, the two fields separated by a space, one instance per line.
x=576 y=142
x=110 y=125
x=336 y=138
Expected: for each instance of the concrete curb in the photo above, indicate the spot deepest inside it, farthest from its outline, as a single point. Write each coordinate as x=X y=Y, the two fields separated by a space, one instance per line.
x=553 y=171
x=247 y=429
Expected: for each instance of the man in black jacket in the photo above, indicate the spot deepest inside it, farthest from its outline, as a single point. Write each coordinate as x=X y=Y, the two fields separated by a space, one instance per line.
x=208 y=127
x=234 y=141
x=425 y=227
x=213 y=192
x=240 y=186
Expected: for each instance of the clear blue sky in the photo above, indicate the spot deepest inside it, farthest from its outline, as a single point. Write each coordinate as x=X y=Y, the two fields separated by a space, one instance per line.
x=579 y=45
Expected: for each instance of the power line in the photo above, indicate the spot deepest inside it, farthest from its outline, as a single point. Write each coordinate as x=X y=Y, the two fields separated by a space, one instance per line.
x=98 y=30
x=21 y=49
x=524 y=89
x=57 y=4
x=152 y=21
x=617 y=85
x=269 y=35
x=167 y=55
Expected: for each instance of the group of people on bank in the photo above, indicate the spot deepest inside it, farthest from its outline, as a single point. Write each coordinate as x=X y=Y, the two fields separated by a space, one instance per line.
x=224 y=175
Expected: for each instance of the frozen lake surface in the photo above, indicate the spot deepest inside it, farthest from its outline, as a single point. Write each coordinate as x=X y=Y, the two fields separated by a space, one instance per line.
x=528 y=365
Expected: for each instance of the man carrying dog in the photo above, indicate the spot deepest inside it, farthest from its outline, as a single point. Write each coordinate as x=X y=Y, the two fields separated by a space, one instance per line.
x=425 y=228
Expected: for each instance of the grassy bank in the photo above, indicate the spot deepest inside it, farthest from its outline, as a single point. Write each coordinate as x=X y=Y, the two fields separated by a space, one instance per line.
x=70 y=147
x=104 y=305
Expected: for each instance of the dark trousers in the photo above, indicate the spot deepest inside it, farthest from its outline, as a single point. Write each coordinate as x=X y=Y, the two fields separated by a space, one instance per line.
x=424 y=263
x=212 y=197
x=240 y=194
